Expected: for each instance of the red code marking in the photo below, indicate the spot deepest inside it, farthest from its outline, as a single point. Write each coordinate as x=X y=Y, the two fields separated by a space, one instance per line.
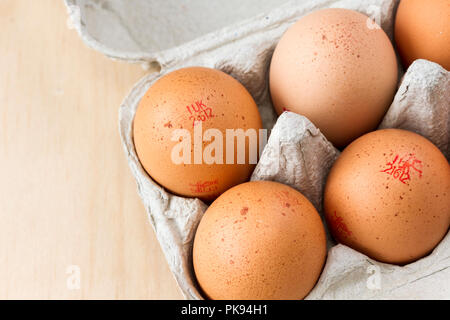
x=199 y=112
x=206 y=186
x=340 y=226
x=400 y=168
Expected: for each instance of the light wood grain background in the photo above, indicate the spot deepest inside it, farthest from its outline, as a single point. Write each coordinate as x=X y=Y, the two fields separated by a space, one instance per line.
x=67 y=196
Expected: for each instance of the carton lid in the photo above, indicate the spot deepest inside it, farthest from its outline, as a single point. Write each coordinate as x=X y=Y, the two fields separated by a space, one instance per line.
x=150 y=30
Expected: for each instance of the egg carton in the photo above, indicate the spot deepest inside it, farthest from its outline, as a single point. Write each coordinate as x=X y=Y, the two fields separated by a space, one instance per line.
x=239 y=38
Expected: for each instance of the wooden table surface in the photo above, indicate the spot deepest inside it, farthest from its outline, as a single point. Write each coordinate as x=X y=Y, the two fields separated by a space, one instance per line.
x=69 y=208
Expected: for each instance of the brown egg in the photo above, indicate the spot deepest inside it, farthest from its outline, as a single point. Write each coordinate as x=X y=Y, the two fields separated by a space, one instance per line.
x=422 y=31
x=195 y=100
x=337 y=68
x=259 y=240
x=388 y=196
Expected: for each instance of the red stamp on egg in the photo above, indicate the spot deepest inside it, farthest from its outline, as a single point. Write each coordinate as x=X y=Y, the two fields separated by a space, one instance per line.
x=205 y=186
x=340 y=226
x=402 y=168
x=199 y=112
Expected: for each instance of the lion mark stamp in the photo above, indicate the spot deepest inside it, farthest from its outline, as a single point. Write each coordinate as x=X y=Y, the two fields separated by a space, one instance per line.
x=340 y=225
x=205 y=186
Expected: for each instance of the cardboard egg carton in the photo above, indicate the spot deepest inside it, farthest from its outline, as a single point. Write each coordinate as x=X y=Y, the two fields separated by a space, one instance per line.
x=297 y=154
x=239 y=38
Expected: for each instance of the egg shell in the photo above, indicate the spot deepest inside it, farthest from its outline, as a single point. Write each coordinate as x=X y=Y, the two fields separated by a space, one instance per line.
x=175 y=101
x=337 y=68
x=259 y=240
x=388 y=196
x=422 y=31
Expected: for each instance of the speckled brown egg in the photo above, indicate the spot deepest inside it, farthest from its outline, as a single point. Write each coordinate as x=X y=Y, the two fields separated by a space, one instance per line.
x=388 y=196
x=337 y=68
x=422 y=31
x=259 y=240
x=195 y=101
